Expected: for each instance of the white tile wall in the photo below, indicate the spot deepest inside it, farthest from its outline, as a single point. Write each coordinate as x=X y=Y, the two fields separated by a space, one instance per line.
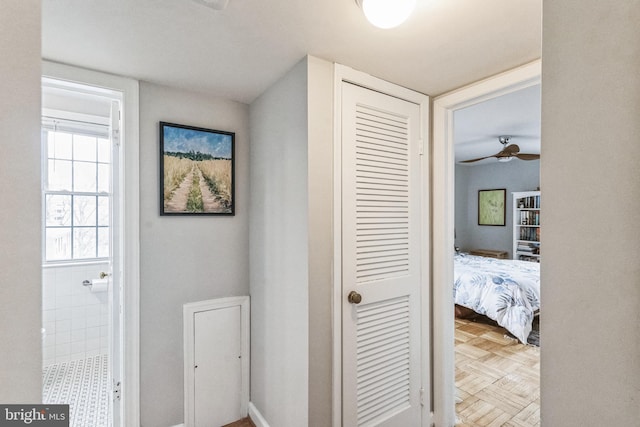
x=75 y=320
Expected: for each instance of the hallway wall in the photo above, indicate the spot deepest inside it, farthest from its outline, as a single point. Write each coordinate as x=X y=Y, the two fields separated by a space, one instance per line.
x=20 y=275
x=184 y=258
x=590 y=357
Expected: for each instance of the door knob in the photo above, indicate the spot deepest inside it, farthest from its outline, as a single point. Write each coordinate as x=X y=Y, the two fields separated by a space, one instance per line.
x=103 y=275
x=354 y=297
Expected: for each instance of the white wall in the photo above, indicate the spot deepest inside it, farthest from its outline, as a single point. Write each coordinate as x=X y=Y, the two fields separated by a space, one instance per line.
x=516 y=175
x=183 y=258
x=20 y=281
x=590 y=367
x=280 y=251
x=320 y=160
x=75 y=319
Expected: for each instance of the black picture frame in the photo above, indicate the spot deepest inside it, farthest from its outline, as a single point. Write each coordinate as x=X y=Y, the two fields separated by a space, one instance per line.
x=197 y=170
x=492 y=207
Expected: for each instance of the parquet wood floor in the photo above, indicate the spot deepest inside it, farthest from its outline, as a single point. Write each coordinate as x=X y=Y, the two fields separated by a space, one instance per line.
x=497 y=378
x=245 y=422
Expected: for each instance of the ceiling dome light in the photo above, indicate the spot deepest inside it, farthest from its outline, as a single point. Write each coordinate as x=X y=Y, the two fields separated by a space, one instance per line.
x=387 y=13
x=505 y=159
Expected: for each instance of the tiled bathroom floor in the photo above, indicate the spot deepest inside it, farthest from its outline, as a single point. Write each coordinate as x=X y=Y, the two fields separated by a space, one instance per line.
x=83 y=384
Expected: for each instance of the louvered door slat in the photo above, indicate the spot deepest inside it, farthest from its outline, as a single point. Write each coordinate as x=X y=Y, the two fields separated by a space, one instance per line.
x=391 y=210
x=376 y=246
x=388 y=121
x=370 y=169
x=378 y=156
x=383 y=232
x=392 y=352
x=376 y=161
x=387 y=319
x=389 y=404
x=372 y=398
x=382 y=224
x=387 y=259
x=378 y=347
x=393 y=334
x=401 y=180
x=366 y=127
x=391 y=369
x=379 y=152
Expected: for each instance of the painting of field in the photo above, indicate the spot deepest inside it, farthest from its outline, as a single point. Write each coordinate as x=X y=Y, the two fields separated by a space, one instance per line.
x=197 y=170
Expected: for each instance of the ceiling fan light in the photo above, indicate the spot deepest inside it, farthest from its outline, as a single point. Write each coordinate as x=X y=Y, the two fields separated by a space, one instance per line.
x=387 y=13
x=505 y=159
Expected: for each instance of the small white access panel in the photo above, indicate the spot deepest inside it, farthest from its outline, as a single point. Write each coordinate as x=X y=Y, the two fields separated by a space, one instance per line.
x=216 y=361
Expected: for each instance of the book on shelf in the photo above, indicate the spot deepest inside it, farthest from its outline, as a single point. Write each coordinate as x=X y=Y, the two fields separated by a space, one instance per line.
x=528 y=247
x=530 y=234
x=526 y=225
x=529 y=218
x=530 y=202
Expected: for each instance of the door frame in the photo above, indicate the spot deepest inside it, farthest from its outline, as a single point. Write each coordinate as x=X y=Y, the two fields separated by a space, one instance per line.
x=346 y=74
x=129 y=225
x=443 y=213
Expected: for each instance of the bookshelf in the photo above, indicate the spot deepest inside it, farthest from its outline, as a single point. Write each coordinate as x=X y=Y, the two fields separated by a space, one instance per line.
x=526 y=226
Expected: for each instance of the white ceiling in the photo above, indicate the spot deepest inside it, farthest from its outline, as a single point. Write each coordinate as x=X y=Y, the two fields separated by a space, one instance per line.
x=237 y=53
x=476 y=128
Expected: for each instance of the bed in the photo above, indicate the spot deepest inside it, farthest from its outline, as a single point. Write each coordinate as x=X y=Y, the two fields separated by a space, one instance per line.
x=506 y=291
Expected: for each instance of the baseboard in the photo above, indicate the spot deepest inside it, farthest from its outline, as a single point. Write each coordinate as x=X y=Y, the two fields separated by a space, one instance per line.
x=256 y=416
x=178 y=425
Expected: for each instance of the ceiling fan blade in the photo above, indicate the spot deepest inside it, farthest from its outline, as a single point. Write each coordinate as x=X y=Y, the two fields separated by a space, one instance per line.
x=524 y=156
x=478 y=159
x=509 y=151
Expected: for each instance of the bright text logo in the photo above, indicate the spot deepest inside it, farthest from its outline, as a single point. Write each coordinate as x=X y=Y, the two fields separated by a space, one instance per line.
x=34 y=415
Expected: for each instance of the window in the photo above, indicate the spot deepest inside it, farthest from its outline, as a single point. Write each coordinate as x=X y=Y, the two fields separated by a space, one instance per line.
x=76 y=193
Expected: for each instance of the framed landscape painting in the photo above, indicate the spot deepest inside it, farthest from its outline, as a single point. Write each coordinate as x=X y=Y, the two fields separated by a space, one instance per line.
x=492 y=207
x=196 y=171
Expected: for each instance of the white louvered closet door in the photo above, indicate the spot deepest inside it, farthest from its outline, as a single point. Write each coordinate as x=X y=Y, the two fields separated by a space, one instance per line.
x=381 y=205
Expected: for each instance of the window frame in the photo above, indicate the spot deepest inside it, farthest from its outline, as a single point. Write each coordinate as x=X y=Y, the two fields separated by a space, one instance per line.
x=82 y=125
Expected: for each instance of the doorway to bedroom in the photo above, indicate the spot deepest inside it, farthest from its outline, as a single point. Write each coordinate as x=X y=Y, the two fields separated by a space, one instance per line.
x=496 y=147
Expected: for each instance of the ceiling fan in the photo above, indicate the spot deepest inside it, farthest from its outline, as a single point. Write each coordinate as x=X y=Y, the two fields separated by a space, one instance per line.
x=508 y=152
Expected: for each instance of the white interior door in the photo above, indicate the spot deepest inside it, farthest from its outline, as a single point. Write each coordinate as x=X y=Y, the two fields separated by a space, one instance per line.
x=381 y=259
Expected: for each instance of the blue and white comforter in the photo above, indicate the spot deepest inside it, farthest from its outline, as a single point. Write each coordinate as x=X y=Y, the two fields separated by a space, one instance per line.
x=507 y=291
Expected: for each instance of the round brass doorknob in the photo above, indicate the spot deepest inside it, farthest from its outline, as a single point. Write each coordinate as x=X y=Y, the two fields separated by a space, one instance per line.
x=354 y=297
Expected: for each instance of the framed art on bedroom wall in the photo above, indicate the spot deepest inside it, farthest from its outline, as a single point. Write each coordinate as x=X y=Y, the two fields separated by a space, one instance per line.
x=492 y=207
x=196 y=171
